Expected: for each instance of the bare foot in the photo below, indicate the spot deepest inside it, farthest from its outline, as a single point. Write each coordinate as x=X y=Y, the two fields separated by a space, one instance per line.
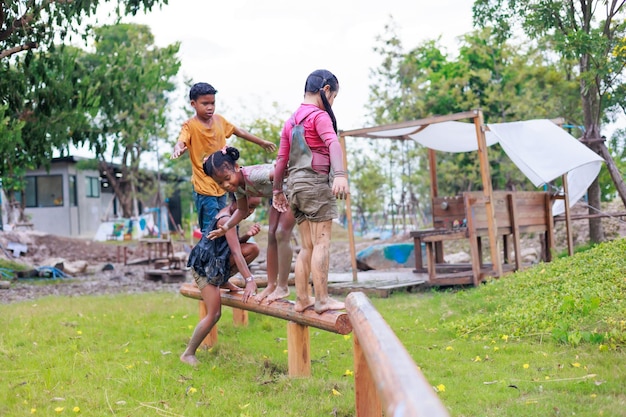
x=300 y=305
x=328 y=304
x=264 y=294
x=231 y=287
x=189 y=359
x=278 y=294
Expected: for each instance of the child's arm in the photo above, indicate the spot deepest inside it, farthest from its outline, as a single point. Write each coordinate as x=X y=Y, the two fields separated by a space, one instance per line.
x=253 y=231
x=238 y=215
x=242 y=266
x=179 y=149
x=265 y=144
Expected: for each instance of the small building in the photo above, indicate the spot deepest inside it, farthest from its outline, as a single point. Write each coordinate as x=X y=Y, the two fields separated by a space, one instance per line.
x=64 y=200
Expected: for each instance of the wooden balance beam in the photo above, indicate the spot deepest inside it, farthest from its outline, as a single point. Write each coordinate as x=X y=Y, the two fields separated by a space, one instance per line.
x=298 y=341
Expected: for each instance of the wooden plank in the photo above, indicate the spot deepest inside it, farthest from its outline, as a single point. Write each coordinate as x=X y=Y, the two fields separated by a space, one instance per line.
x=332 y=321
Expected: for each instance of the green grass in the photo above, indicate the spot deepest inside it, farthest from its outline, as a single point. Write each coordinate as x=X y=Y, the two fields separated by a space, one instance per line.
x=544 y=342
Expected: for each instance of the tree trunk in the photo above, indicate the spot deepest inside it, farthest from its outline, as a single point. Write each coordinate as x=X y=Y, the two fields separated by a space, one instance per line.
x=616 y=176
x=121 y=188
x=596 y=232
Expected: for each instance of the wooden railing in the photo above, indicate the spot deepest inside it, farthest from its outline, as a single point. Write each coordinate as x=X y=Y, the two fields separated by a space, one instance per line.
x=385 y=376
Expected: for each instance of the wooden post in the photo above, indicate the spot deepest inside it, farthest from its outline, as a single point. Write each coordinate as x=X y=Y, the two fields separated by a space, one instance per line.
x=366 y=397
x=342 y=141
x=432 y=164
x=515 y=229
x=298 y=350
x=402 y=388
x=568 y=218
x=494 y=243
x=211 y=339
x=240 y=317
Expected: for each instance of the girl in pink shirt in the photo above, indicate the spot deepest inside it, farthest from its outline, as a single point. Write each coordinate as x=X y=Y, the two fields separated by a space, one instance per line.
x=309 y=147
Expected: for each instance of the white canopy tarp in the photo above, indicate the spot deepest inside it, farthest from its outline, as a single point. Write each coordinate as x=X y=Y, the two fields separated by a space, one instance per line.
x=539 y=148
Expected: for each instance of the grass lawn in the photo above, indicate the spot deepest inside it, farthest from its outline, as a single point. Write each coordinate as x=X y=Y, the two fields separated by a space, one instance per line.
x=548 y=341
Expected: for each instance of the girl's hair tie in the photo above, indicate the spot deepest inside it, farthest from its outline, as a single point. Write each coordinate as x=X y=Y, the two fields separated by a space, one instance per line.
x=224 y=150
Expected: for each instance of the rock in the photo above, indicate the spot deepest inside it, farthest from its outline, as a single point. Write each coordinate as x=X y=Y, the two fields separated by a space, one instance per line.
x=530 y=255
x=76 y=267
x=4 y=285
x=58 y=263
x=457 y=258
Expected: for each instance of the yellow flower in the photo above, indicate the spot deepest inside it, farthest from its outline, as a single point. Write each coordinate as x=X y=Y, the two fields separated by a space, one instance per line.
x=505 y=337
x=477 y=359
x=576 y=365
x=129 y=366
x=76 y=409
x=496 y=348
x=79 y=332
x=171 y=317
x=285 y=351
x=335 y=392
x=593 y=395
x=526 y=366
x=33 y=410
x=346 y=337
x=59 y=409
x=191 y=390
x=244 y=406
x=347 y=373
x=547 y=377
x=441 y=388
x=449 y=348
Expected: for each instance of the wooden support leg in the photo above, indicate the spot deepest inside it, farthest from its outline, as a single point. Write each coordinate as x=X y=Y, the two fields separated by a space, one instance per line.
x=298 y=350
x=431 y=262
x=211 y=338
x=367 y=401
x=240 y=317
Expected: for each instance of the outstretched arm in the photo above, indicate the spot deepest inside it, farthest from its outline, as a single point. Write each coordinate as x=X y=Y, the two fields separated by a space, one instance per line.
x=179 y=149
x=238 y=215
x=265 y=144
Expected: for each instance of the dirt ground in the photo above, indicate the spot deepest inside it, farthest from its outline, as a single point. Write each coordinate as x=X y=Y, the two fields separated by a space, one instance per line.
x=106 y=272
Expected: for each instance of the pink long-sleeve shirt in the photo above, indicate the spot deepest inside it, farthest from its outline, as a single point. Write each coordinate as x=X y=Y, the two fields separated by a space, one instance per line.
x=318 y=133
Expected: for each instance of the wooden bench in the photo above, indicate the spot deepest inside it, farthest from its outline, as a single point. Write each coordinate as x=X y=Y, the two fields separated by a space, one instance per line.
x=298 y=341
x=465 y=217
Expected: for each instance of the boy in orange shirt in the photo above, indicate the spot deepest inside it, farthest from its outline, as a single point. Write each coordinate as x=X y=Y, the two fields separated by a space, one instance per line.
x=202 y=135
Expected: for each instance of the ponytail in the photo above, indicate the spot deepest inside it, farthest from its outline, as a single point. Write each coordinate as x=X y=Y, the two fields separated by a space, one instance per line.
x=316 y=82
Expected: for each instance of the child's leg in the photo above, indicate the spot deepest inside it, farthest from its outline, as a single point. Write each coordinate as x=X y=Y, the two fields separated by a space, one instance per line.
x=213 y=302
x=320 y=259
x=286 y=222
x=272 y=255
x=303 y=268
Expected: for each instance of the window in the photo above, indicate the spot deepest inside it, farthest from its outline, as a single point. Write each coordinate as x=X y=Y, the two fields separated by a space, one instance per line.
x=72 y=190
x=44 y=191
x=93 y=187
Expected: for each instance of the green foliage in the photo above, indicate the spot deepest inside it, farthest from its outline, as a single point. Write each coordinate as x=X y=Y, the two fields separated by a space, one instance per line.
x=573 y=299
x=28 y=25
x=130 y=77
x=509 y=83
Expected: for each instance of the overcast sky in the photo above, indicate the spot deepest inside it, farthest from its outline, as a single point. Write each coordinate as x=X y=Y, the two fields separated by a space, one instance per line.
x=257 y=52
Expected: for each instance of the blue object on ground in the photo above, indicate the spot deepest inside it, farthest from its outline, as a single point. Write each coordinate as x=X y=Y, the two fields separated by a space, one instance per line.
x=6 y=273
x=52 y=271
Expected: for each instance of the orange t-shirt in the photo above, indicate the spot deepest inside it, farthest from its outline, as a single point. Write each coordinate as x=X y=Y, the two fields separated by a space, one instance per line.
x=201 y=142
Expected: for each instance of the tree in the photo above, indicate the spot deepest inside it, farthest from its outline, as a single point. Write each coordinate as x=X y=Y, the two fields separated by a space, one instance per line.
x=42 y=106
x=593 y=33
x=27 y=25
x=507 y=82
x=130 y=77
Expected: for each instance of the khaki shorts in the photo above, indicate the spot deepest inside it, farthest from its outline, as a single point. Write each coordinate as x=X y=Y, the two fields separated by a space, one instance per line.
x=311 y=198
x=203 y=281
